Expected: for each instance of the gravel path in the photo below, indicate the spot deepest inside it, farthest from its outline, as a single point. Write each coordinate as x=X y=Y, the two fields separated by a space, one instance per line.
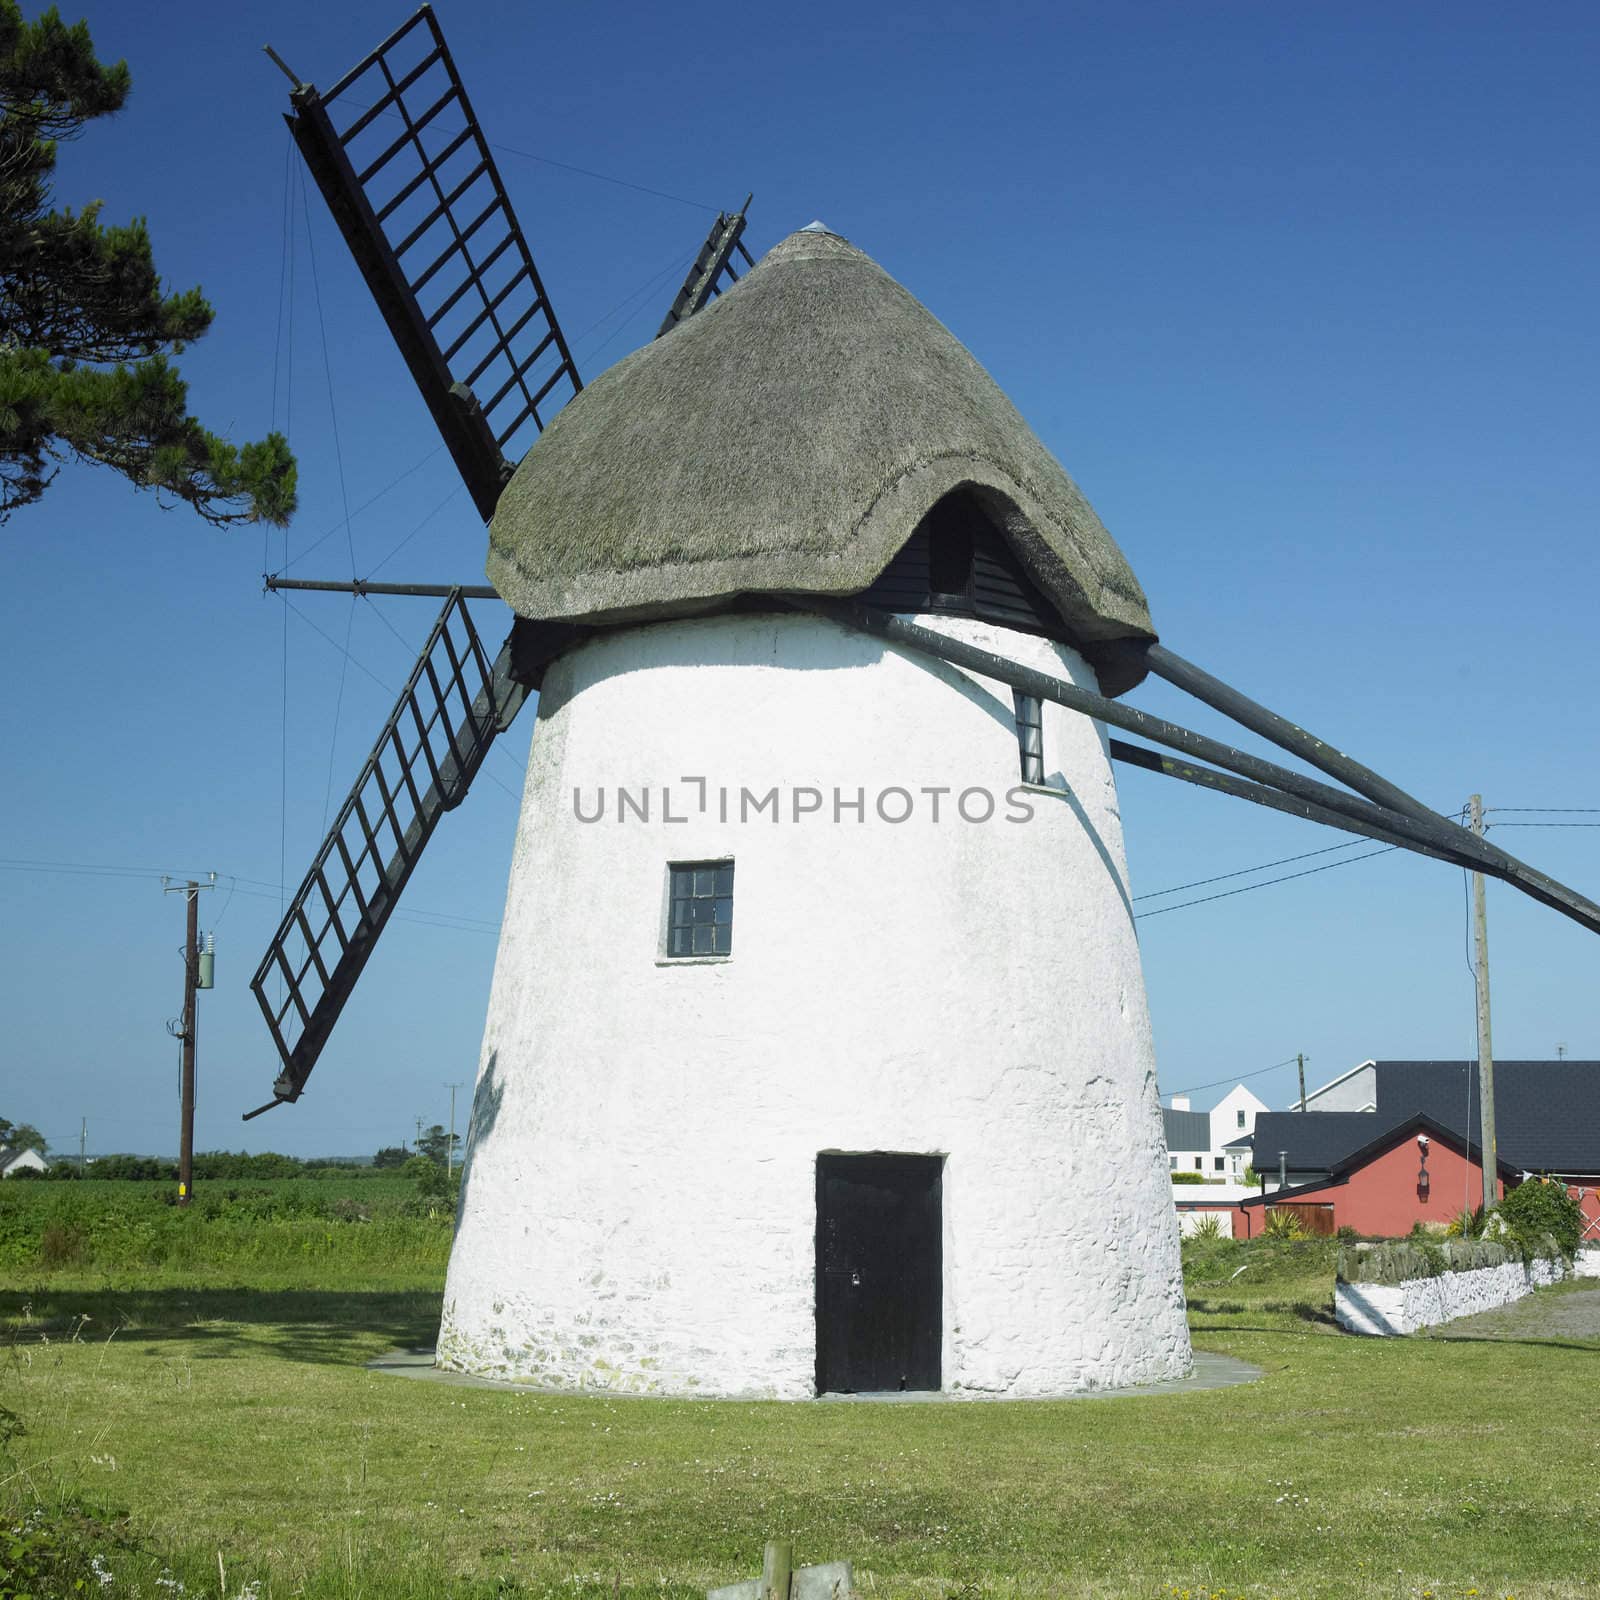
x=1564 y=1314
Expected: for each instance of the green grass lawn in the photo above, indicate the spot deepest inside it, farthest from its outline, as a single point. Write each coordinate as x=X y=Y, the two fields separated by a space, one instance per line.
x=230 y=1419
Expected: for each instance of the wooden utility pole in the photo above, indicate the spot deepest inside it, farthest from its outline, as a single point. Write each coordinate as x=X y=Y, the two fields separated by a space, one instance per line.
x=1300 y=1061
x=191 y=972
x=1480 y=933
x=83 y=1143
x=186 y=1032
x=450 y=1146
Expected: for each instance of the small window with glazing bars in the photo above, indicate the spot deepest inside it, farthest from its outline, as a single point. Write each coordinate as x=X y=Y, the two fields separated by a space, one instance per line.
x=699 y=908
x=1030 y=736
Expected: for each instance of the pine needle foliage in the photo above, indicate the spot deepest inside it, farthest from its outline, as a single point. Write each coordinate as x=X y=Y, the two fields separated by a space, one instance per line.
x=86 y=325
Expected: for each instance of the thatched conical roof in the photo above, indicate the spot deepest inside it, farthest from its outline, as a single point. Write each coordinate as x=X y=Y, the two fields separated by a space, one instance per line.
x=789 y=438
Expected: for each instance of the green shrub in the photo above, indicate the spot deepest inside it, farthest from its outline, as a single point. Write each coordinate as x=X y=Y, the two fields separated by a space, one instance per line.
x=1282 y=1223
x=1538 y=1209
x=58 y=1549
x=61 y=1244
x=1468 y=1223
x=1207 y=1228
x=1188 y=1177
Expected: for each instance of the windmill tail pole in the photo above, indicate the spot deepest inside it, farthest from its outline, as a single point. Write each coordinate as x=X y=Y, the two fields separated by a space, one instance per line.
x=1298 y=741
x=1281 y=731
x=1261 y=794
x=1412 y=827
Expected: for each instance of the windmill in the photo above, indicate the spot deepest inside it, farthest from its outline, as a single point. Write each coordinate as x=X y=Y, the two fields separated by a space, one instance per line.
x=787 y=580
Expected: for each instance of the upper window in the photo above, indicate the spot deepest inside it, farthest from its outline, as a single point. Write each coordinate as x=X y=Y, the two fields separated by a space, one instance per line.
x=1240 y=1115
x=700 y=908
x=1030 y=735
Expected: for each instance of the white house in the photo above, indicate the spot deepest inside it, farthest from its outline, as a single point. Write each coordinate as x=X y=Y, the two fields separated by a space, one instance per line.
x=1198 y=1141
x=14 y=1161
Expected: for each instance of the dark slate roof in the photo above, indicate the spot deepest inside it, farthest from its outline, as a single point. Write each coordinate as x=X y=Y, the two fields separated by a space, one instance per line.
x=1407 y=1128
x=1546 y=1113
x=1187 y=1130
x=1317 y=1141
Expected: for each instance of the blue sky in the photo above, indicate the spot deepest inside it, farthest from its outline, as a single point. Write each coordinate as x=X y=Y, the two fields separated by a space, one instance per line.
x=1302 y=296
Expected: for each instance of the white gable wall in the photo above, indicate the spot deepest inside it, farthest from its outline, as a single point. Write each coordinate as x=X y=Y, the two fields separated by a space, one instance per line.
x=1355 y=1090
x=1234 y=1117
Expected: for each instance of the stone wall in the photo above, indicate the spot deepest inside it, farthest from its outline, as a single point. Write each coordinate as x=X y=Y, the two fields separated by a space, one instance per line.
x=1390 y=1308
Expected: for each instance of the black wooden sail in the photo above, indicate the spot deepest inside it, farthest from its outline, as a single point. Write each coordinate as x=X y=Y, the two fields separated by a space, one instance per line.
x=450 y=712
x=712 y=266
x=399 y=156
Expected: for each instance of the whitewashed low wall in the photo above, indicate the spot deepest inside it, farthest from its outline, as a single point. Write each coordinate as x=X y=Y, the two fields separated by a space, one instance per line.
x=1188 y=1221
x=1215 y=1196
x=1212 y=1194
x=1391 y=1309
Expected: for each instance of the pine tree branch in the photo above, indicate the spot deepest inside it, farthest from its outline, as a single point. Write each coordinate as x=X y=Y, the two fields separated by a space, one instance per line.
x=85 y=321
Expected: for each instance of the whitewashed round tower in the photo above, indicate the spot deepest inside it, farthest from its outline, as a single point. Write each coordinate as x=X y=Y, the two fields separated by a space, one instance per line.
x=817 y=1056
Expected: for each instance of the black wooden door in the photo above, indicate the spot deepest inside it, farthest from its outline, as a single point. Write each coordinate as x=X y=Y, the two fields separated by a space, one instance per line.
x=879 y=1273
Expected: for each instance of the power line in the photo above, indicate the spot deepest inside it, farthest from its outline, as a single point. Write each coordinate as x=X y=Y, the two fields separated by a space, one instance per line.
x=262 y=890
x=1238 y=1077
x=1285 y=878
x=1244 y=872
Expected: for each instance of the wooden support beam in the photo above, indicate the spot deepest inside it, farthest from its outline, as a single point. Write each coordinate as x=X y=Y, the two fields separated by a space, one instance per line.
x=1428 y=833
x=1260 y=794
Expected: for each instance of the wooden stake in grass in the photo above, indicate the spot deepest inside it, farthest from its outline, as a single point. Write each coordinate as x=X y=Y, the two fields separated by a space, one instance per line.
x=777 y=1563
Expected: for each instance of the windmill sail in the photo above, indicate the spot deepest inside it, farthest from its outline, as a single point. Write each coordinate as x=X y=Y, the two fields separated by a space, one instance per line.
x=403 y=164
x=711 y=266
x=452 y=708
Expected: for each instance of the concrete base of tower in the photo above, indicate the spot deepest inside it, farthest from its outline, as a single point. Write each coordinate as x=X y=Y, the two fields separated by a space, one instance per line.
x=562 y=1362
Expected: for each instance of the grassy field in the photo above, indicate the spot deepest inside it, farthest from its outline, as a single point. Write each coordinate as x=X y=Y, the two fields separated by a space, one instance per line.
x=214 y=1419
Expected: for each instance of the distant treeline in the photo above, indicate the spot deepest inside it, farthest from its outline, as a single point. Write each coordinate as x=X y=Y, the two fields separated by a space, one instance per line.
x=210 y=1166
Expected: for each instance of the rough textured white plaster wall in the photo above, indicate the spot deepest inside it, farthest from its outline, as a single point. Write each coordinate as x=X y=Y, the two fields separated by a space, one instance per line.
x=1397 y=1308
x=639 y=1202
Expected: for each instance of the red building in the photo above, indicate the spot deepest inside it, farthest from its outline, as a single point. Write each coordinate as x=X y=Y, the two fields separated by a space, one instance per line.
x=1416 y=1171
x=1423 y=1164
